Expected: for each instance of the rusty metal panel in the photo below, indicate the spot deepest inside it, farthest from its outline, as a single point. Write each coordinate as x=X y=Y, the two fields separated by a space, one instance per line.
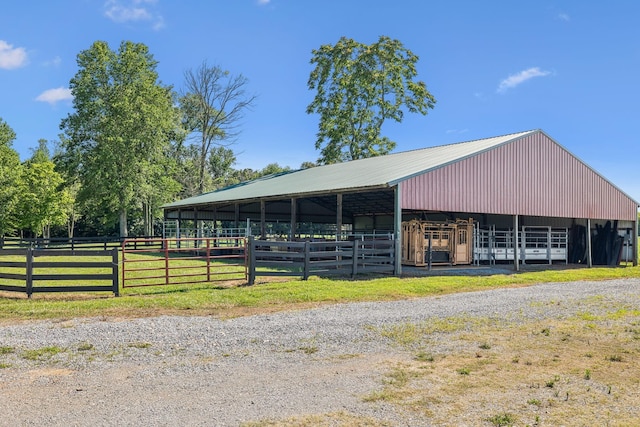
x=532 y=175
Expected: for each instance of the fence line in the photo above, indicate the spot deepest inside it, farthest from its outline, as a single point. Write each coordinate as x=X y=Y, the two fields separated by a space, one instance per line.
x=304 y=259
x=72 y=243
x=149 y=262
x=33 y=281
x=183 y=261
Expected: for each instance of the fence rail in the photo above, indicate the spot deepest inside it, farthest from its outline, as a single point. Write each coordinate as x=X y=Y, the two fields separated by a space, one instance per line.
x=180 y=261
x=71 y=243
x=29 y=275
x=304 y=259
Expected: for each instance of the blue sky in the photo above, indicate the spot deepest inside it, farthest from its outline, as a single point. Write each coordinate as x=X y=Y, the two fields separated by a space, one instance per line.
x=570 y=68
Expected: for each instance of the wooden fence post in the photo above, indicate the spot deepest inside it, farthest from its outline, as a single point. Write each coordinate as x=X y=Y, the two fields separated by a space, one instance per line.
x=307 y=260
x=252 y=260
x=355 y=255
x=114 y=271
x=29 y=271
x=209 y=259
x=166 y=263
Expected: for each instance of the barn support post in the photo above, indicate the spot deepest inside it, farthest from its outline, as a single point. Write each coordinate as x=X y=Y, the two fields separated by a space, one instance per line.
x=635 y=242
x=589 y=259
x=263 y=220
x=516 y=244
x=523 y=243
x=339 y=216
x=236 y=215
x=294 y=218
x=397 y=231
x=196 y=223
x=178 y=225
x=214 y=215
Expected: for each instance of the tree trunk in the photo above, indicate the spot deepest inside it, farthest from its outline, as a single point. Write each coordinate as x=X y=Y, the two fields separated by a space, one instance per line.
x=71 y=223
x=148 y=220
x=123 y=223
x=203 y=159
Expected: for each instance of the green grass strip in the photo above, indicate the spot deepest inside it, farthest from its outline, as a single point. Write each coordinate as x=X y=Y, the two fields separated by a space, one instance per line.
x=207 y=299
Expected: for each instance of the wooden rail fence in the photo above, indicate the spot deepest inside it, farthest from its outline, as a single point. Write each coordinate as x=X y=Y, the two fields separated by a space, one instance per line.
x=21 y=271
x=304 y=259
x=150 y=262
x=179 y=261
x=72 y=243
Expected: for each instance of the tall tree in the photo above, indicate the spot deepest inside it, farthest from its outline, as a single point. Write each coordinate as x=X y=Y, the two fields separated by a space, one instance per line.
x=114 y=143
x=10 y=173
x=213 y=105
x=43 y=200
x=358 y=87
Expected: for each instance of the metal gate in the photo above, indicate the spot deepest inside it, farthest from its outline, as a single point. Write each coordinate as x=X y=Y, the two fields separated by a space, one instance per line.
x=157 y=261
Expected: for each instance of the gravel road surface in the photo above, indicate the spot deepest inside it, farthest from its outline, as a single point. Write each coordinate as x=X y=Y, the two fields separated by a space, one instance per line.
x=203 y=371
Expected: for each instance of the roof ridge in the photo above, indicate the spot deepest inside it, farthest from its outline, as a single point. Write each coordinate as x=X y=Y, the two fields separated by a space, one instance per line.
x=468 y=141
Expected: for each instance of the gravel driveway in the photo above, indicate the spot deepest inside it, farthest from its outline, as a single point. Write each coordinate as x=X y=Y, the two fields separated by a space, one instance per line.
x=203 y=371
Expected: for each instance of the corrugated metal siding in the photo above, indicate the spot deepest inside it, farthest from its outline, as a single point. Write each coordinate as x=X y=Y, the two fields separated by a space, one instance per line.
x=530 y=176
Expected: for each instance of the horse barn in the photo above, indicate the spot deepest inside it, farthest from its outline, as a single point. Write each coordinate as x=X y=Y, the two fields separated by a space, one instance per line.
x=519 y=198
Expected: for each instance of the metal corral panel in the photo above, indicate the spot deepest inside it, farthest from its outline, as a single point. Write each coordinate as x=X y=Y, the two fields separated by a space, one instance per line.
x=532 y=175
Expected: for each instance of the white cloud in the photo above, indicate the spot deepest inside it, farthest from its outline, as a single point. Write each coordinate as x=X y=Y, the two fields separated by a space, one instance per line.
x=52 y=96
x=521 y=77
x=11 y=57
x=564 y=17
x=263 y=2
x=122 y=11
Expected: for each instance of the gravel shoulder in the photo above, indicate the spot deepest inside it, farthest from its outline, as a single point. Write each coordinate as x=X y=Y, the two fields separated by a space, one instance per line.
x=203 y=371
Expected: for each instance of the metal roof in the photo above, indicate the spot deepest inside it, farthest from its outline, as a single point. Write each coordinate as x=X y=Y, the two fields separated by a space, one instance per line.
x=374 y=172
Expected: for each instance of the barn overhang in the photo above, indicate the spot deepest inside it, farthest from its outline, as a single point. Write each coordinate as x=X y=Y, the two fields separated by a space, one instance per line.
x=316 y=208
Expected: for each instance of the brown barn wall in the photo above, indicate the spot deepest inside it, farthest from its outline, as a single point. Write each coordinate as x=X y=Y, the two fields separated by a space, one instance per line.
x=531 y=176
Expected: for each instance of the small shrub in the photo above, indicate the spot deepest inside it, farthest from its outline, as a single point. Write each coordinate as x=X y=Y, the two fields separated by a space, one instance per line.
x=423 y=356
x=463 y=371
x=552 y=383
x=587 y=374
x=485 y=346
x=397 y=378
x=535 y=402
x=615 y=358
x=502 y=420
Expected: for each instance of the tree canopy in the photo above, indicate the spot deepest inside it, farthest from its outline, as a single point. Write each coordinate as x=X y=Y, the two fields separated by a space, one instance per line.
x=10 y=175
x=358 y=87
x=213 y=105
x=114 y=143
x=43 y=201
